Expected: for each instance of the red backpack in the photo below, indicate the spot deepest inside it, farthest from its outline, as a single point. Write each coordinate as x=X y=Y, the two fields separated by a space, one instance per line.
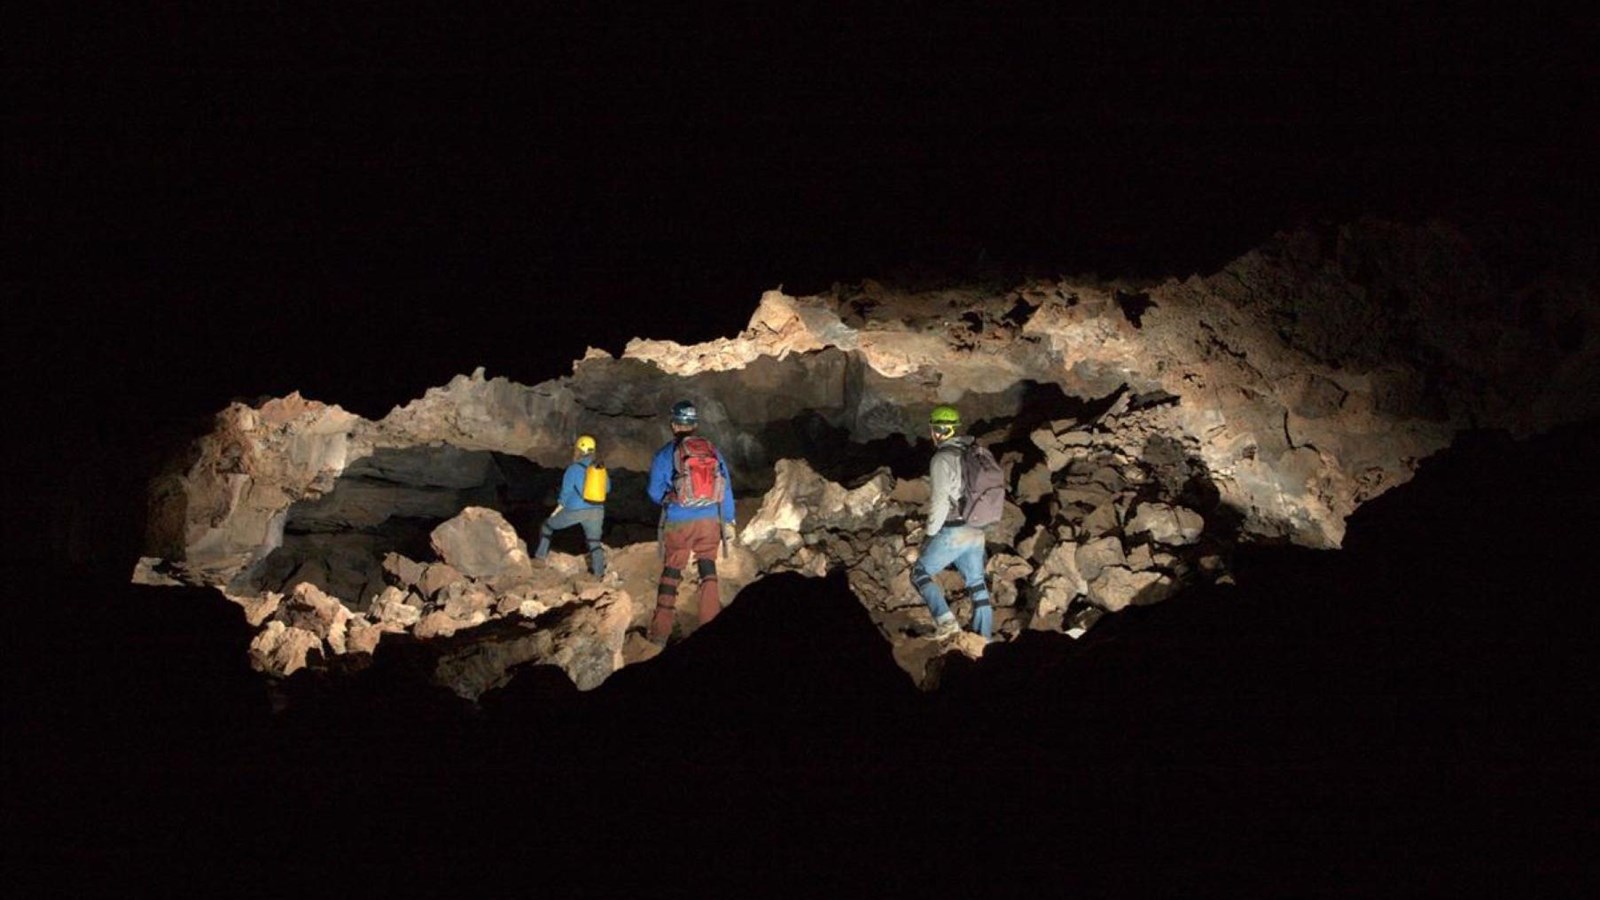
x=697 y=473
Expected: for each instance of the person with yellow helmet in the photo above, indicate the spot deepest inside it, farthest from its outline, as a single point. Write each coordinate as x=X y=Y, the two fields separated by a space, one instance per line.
x=954 y=528
x=584 y=487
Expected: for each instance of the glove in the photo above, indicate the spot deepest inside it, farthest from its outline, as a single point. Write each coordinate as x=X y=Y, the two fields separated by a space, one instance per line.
x=728 y=534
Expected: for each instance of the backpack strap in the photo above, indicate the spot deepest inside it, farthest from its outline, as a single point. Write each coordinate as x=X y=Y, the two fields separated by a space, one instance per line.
x=954 y=517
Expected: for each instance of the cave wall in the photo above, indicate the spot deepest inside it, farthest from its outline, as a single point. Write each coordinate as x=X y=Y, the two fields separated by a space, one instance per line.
x=1270 y=399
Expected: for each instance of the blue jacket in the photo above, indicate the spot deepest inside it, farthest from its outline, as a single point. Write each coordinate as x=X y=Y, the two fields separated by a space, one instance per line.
x=661 y=485
x=571 y=496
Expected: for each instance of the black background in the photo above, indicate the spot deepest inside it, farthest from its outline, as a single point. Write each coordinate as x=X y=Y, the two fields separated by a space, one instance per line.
x=203 y=206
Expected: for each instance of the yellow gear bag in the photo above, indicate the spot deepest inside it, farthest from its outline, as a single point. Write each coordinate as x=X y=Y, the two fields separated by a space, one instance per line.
x=594 y=483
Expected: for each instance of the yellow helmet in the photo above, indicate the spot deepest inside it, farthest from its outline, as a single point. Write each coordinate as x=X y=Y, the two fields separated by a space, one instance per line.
x=584 y=445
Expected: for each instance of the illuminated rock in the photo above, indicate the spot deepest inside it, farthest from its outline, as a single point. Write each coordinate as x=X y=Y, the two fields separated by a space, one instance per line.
x=1146 y=428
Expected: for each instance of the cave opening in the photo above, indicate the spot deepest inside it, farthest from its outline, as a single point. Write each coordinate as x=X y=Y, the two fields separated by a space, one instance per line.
x=859 y=424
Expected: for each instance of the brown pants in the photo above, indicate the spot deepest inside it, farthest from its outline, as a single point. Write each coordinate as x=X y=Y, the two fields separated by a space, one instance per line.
x=701 y=537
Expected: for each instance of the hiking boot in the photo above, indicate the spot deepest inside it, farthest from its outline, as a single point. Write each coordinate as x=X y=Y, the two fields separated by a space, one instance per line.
x=945 y=628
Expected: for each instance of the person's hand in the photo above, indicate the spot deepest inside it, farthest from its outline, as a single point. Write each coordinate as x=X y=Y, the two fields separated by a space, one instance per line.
x=915 y=535
x=728 y=532
x=555 y=512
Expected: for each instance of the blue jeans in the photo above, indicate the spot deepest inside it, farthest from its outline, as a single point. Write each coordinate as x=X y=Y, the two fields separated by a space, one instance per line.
x=591 y=520
x=961 y=546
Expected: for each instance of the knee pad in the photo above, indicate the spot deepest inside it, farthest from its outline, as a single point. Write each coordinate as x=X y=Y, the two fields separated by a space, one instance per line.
x=920 y=575
x=980 y=601
x=669 y=582
x=593 y=545
x=707 y=568
x=545 y=530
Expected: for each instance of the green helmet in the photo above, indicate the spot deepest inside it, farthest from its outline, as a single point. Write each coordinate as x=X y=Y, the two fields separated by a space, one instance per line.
x=944 y=415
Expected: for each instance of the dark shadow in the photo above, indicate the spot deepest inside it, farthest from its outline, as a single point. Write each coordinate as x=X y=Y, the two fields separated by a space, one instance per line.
x=829 y=450
x=1134 y=306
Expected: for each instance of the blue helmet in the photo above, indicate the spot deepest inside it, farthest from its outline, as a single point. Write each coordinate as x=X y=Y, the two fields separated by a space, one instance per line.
x=684 y=413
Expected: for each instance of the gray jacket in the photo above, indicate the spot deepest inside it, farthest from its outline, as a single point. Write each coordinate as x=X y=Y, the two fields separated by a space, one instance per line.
x=944 y=475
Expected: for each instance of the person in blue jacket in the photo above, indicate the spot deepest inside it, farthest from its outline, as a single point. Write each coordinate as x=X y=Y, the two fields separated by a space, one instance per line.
x=571 y=509
x=689 y=480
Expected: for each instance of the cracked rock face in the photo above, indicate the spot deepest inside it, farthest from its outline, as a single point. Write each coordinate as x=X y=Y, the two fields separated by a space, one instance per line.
x=1145 y=431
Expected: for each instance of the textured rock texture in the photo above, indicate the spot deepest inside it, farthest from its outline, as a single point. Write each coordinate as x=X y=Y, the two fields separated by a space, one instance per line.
x=1146 y=430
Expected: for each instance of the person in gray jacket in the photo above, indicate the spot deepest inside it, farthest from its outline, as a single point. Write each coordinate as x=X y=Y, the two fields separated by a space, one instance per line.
x=949 y=539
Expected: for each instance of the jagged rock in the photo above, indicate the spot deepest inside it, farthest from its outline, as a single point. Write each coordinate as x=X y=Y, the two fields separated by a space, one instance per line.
x=1055 y=458
x=228 y=511
x=1140 y=558
x=1038 y=544
x=1033 y=484
x=1087 y=494
x=437 y=577
x=465 y=600
x=802 y=500
x=557 y=564
x=1005 y=571
x=362 y=637
x=257 y=608
x=1057 y=582
x=1115 y=587
x=147 y=571
x=278 y=649
x=442 y=624
x=586 y=642
x=308 y=608
x=912 y=492
x=1080 y=618
x=345 y=566
x=1110 y=478
x=924 y=659
x=1098 y=554
x=1062 y=563
x=637 y=648
x=404 y=572
x=396 y=610
x=587 y=645
x=1101 y=521
x=1174 y=526
x=480 y=543
x=1052 y=599
x=1302 y=380
x=1005 y=531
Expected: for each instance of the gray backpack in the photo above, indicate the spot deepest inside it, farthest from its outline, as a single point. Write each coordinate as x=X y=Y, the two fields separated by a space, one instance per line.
x=983 y=486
